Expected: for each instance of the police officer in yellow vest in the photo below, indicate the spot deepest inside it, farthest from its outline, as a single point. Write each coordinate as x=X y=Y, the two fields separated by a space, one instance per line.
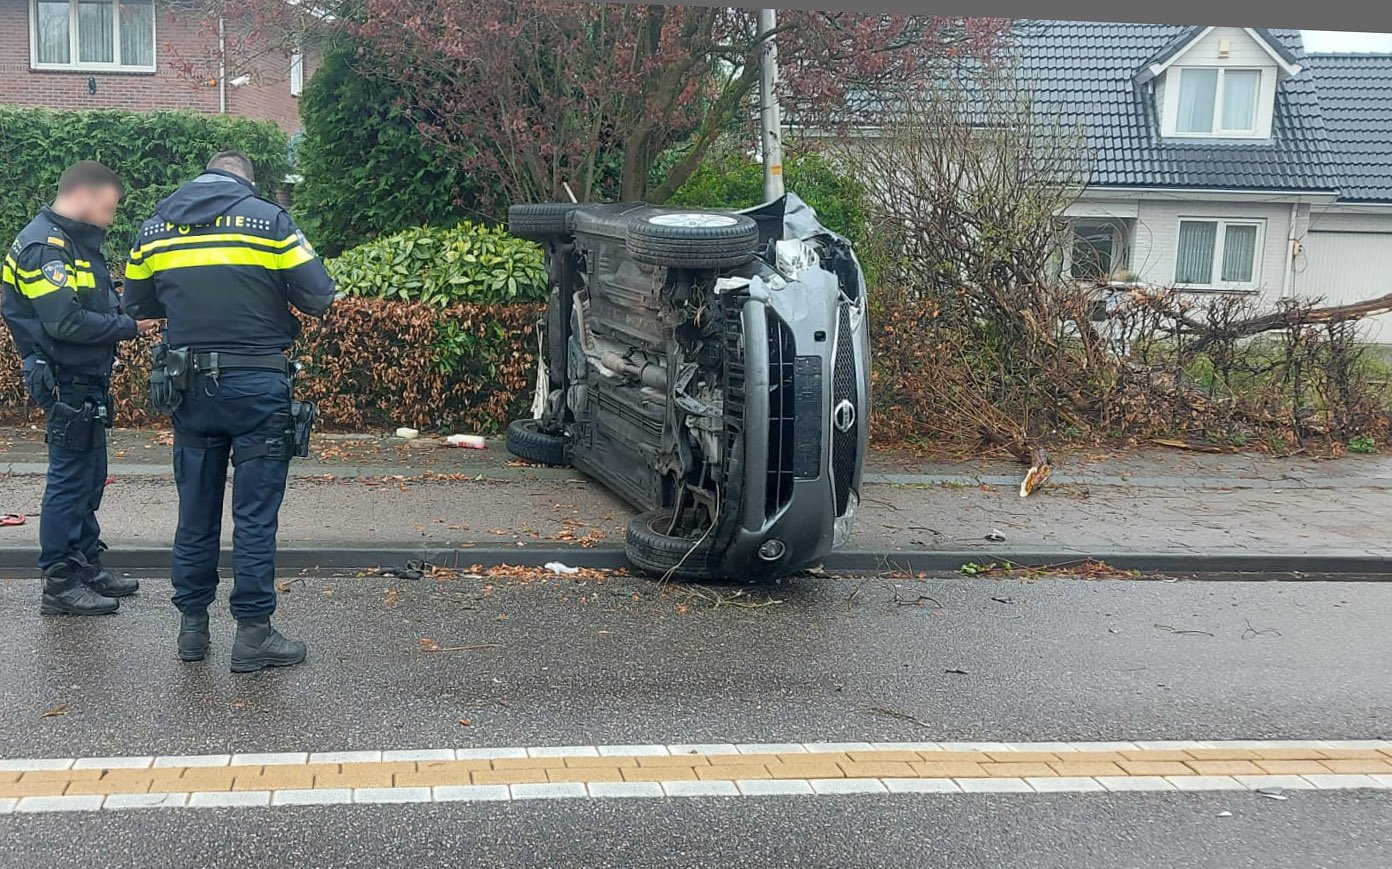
x=66 y=319
x=225 y=267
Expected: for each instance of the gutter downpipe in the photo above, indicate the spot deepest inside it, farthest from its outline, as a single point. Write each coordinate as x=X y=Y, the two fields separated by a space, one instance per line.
x=222 y=67
x=1286 y=279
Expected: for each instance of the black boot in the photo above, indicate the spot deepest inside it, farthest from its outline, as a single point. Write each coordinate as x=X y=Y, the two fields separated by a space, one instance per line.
x=193 y=636
x=258 y=645
x=65 y=592
x=103 y=581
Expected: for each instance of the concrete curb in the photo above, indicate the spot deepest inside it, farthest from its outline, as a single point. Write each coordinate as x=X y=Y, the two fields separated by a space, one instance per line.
x=493 y=473
x=1343 y=565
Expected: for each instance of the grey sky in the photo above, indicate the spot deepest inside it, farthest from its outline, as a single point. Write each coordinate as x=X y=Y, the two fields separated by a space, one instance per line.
x=1339 y=40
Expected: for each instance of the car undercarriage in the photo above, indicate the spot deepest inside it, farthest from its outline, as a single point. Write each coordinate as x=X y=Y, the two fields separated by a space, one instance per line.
x=711 y=369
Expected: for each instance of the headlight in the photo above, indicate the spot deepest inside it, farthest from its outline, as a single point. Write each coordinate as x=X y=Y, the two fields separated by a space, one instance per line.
x=841 y=528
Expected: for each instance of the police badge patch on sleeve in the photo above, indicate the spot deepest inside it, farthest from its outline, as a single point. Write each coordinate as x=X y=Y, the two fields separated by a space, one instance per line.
x=299 y=234
x=57 y=273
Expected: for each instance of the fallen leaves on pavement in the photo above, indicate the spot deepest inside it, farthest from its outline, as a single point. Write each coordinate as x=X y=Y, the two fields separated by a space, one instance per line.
x=1086 y=569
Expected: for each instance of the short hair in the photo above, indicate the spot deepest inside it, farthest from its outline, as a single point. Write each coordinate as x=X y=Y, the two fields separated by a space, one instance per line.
x=89 y=173
x=236 y=162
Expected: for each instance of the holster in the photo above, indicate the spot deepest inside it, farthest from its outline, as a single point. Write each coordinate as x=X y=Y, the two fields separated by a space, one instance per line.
x=75 y=428
x=302 y=416
x=286 y=435
x=171 y=375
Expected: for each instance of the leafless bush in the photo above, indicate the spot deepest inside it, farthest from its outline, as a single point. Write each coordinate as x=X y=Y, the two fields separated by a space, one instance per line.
x=982 y=340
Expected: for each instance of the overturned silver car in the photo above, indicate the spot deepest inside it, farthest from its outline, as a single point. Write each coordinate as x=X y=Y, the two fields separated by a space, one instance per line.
x=711 y=368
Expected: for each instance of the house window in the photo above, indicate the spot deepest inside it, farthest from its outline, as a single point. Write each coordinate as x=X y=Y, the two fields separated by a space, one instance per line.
x=1097 y=251
x=93 y=34
x=296 y=73
x=1217 y=102
x=1218 y=254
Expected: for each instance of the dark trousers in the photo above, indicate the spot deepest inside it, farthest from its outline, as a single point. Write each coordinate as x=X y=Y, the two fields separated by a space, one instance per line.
x=233 y=412
x=68 y=528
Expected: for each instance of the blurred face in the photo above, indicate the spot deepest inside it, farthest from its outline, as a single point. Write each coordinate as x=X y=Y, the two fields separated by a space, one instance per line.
x=100 y=207
x=94 y=204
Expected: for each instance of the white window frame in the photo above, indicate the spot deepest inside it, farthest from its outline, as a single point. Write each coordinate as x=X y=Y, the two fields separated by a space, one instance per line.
x=1261 y=116
x=1220 y=238
x=73 y=63
x=1121 y=246
x=297 y=71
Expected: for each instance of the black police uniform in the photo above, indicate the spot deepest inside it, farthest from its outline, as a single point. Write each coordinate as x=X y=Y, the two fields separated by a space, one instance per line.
x=221 y=264
x=66 y=319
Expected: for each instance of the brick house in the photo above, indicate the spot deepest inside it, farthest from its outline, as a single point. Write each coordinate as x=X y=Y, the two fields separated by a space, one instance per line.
x=143 y=55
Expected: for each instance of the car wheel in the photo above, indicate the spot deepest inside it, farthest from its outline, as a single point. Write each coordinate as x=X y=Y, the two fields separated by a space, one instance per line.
x=540 y=220
x=692 y=239
x=526 y=440
x=653 y=551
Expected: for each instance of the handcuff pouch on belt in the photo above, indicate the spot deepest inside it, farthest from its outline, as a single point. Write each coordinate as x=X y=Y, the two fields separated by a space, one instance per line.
x=171 y=375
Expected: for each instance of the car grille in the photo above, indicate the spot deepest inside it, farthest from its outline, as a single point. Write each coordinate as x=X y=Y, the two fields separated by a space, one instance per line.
x=782 y=433
x=845 y=387
x=734 y=398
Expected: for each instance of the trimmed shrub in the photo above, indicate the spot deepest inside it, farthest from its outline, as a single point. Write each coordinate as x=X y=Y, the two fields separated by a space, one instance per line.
x=153 y=152
x=378 y=365
x=366 y=168
x=370 y=365
x=466 y=263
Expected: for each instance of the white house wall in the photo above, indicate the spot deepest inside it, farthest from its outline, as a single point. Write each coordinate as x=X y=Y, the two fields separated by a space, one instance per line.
x=1155 y=245
x=1243 y=50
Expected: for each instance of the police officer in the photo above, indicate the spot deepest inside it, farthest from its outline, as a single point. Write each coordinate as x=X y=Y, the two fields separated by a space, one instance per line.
x=66 y=319
x=221 y=264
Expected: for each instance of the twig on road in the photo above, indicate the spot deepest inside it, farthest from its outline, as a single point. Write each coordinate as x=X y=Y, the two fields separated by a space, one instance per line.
x=918 y=601
x=429 y=645
x=717 y=600
x=895 y=713
x=1175 y=630
x=850 y=599
x=1253 y=632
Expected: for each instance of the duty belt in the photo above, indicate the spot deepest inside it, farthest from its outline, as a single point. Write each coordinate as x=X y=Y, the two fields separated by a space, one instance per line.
x=213 y=361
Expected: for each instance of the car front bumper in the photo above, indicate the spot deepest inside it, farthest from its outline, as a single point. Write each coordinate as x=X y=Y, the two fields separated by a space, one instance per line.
x=804 y=414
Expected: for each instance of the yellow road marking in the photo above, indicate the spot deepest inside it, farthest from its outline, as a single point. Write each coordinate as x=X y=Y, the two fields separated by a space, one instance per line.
x=808 y=765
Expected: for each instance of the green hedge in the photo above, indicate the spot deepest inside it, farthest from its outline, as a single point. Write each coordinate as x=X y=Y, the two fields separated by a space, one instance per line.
x=153 y=152
x=465 y=263
x=366 y=168
x=370 y=365
x=732 y=180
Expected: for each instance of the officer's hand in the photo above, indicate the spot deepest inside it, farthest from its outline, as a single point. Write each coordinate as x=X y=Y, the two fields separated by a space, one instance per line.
x=144 y=326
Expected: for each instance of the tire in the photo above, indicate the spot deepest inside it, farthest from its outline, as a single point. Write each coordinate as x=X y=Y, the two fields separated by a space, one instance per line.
x=650 y=549
x=526 y=440
x=692 y=239
x=540 y=220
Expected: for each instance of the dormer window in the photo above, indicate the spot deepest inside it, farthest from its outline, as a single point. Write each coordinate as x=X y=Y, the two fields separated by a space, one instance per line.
x=1219 y=101
x=1218 y=83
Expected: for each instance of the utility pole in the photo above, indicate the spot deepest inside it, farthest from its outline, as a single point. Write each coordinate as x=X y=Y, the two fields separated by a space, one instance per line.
x=770 y=115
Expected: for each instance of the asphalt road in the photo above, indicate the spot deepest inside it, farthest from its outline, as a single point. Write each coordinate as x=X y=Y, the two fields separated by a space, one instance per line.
x=1344 y=830
x=623 y=661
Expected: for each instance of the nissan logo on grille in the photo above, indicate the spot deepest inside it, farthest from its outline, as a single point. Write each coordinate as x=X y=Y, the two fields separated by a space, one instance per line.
x=844 y=416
